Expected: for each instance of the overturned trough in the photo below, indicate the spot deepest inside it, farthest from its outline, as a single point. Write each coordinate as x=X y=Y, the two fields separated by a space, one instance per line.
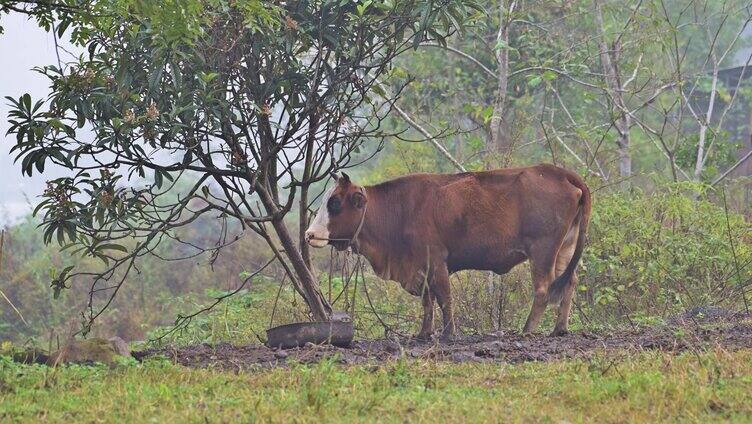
x=337 y=333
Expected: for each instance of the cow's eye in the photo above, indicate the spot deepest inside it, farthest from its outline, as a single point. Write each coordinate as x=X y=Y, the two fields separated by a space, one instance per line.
x=333 y=205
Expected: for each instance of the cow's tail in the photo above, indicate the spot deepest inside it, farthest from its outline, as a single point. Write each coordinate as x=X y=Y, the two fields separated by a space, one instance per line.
x=557 y=288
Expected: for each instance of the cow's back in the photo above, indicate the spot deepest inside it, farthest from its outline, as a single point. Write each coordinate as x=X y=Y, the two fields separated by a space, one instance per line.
x=487 y=220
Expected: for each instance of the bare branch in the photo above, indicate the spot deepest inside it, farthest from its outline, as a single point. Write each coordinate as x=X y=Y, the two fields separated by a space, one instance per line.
x=464 y=55
x=731 y=169
x=423 y=131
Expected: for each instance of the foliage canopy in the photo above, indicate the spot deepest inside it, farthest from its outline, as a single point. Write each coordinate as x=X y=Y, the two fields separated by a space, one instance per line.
x=225 y=108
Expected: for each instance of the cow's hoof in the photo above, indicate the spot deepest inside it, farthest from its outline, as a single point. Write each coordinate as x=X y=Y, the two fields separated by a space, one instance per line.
x=559 y=332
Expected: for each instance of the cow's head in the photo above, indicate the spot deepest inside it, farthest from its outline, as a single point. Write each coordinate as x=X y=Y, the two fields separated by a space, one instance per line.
x=339 y=215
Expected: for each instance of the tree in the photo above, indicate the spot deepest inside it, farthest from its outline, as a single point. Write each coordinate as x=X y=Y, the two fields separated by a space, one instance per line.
x=499 y=129
x=704 y=97
x=614 y=89
x=235 y=110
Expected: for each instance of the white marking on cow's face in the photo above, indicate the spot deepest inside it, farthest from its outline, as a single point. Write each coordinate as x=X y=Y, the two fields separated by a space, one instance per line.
x=317 y=234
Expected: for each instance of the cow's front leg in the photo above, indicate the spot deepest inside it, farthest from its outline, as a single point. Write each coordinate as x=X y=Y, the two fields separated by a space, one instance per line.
x=441 y=291
x=426 y=328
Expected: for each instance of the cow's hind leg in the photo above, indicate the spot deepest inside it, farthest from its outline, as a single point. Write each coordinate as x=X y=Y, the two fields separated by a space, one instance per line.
x=542 y=260
x=562 y=260
x=441 y=291
x=426 y=328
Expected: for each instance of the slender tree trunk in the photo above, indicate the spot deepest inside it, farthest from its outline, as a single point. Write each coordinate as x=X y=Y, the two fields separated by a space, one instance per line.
x=316 y=302
x=705 y=123
x=319 y=306
x=500 y=140
x=625 y=157
x=268 y=165
x=286 y=266
x=305 y=252
x=313 y=125
x=622 y=122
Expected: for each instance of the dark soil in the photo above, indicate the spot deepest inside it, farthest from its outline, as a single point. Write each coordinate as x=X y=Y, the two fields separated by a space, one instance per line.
x=697 y=329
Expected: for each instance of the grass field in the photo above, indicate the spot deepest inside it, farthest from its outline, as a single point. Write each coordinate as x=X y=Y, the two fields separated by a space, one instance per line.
x=704 y=387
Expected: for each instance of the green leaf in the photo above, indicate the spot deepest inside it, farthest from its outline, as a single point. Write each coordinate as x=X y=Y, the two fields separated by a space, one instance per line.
x=208 y=77
x=26 y=101
x=378 y=90
x=112 y=246
x=158 y=178
x=549 y=75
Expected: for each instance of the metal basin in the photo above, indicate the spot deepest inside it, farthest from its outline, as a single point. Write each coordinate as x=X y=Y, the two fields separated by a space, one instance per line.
x=337 y=333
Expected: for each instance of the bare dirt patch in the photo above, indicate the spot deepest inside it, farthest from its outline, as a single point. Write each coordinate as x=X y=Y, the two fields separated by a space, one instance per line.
x=698 y=329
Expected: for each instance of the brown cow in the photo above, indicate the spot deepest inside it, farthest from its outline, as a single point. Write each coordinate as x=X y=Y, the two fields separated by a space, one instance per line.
x=419 y=229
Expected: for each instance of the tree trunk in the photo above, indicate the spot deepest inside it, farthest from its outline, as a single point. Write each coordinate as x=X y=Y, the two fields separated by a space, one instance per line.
x=622 y=122
x=625 y=157
x=313 y=125
x=319 y=306
x=705 y=124
x=320 y=309
x=500 y=140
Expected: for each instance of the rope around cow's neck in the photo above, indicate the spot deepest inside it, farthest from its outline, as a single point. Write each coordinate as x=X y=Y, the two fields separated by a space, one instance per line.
x=354 y=239
x=358 y=268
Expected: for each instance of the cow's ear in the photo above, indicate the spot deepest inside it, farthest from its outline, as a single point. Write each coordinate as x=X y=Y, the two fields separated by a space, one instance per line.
x=344 y=180
x=358 y=200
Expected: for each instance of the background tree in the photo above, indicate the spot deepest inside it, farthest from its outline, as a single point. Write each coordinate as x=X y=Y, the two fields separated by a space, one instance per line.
x=600 y=86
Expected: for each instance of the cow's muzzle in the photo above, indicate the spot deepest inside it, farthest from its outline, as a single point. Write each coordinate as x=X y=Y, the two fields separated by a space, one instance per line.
x=314 y=240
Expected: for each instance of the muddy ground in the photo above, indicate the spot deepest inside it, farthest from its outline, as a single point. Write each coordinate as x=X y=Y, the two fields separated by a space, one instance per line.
x=697 y=329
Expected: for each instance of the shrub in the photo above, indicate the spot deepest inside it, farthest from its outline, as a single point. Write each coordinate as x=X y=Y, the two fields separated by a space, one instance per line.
x=655 y=254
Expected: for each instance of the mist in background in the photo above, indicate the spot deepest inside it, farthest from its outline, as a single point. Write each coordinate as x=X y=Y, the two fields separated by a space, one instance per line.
x=22 y=47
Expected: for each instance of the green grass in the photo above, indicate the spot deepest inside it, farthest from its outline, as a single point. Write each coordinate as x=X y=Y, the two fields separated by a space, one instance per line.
x=713 y=386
